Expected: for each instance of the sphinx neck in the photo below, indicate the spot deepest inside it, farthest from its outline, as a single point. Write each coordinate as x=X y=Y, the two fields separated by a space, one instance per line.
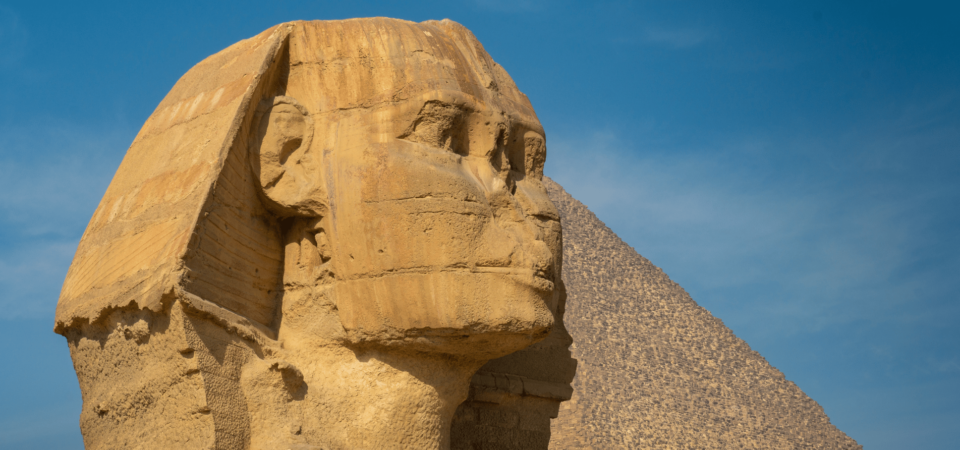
x=388 y=399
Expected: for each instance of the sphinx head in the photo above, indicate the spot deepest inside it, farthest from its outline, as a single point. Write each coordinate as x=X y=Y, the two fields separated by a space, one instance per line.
x=325 y=209
x=415 y=212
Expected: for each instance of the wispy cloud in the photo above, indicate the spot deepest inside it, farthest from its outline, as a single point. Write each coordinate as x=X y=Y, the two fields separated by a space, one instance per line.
x=676 y=37
x=30 y=278
x=52 y=177
x=39 y=426
x=768 y=246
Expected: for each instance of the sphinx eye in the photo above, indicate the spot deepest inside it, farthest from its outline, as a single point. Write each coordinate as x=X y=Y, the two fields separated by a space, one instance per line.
x=499 y=157
x=527 y=152
x=438 y=125
x=534 y=153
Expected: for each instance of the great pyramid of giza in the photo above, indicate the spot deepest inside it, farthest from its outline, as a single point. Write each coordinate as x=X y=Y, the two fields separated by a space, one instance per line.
x=656 y=370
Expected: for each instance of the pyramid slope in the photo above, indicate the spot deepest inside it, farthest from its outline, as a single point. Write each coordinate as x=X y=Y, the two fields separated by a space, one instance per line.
x=656 y=370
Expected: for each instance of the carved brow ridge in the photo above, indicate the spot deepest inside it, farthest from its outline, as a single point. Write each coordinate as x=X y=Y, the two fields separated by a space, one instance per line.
x=468 y=102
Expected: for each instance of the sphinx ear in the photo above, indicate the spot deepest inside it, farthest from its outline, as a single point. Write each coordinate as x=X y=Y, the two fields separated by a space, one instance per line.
x=279 y=156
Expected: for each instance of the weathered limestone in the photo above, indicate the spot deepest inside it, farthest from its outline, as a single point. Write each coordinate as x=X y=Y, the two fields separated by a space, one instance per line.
x=315 y=241
x=337 y=235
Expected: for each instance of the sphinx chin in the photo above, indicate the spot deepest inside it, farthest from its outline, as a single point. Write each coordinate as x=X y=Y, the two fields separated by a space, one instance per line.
x=480 y=343
x=481 y=315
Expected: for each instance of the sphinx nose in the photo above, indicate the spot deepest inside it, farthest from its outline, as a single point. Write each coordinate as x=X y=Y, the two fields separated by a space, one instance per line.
x=542 y=258
x=533 y=230
x=498 y=247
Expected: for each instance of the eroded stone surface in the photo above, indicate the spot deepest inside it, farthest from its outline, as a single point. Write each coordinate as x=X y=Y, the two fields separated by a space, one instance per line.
x=330 y=235
x=315 y=241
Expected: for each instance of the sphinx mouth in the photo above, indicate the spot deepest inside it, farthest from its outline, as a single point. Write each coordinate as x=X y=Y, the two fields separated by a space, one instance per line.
x=535 y=272
x=515 y=271
x=541 y=280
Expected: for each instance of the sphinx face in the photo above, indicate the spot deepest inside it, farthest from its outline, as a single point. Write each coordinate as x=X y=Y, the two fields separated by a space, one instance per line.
x=439 y=232
x=443 y=235
x=423 y=210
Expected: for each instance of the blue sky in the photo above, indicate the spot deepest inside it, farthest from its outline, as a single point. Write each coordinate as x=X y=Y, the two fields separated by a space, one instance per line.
x=793 y=165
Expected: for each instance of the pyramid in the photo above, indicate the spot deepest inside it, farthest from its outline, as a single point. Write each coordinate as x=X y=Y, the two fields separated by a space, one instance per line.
x=656 y=370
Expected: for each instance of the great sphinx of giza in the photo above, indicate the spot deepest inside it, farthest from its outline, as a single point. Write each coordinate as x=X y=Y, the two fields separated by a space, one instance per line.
x=338 y=235
x=316 y=241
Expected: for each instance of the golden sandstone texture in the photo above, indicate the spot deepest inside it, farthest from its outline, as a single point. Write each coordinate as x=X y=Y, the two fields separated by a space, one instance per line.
x=315 y=241
x=337 y=235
